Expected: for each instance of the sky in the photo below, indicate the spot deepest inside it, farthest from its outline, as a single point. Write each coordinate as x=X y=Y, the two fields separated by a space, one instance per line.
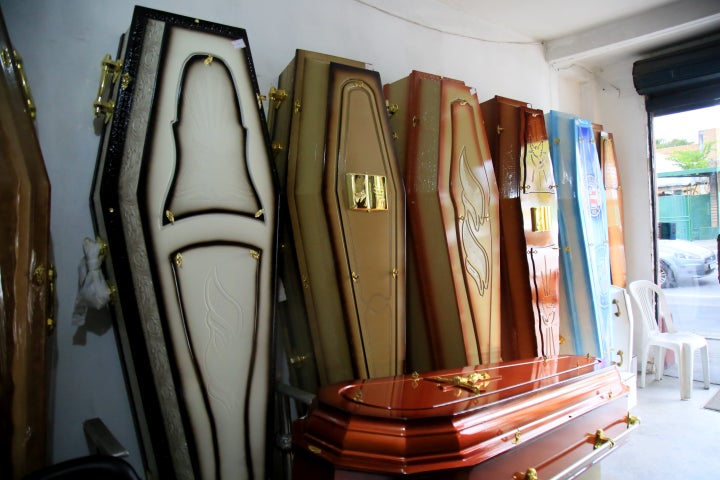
x=686 y=125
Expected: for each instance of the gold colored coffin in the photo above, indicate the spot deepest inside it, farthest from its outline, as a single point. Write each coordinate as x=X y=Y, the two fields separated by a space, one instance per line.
x=347 y=212
x=614 y=201
x=453 y=217
x=528 y=214
x=185 y=194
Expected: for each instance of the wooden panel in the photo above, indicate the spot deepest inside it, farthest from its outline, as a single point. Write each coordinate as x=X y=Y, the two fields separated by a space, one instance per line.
x=188 y=196
x=26 y=301
x=365 y=207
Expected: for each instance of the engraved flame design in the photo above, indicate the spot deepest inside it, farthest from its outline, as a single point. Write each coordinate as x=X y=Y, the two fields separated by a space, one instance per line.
x=475 y=223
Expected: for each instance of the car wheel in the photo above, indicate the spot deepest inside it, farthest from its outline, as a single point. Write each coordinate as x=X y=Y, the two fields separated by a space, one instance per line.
x=666 y=278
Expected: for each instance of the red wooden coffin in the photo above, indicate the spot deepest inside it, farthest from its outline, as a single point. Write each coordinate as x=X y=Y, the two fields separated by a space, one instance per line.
x=554 y=416
x=529 y=230
x=452 y=204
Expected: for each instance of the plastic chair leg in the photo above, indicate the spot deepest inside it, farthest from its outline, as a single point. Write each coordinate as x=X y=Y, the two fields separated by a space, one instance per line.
x=705 y=358
x=686 y=371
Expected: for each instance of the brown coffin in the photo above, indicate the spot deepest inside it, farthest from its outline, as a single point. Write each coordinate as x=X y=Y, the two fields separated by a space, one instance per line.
x=453 y=217
x=497 y=421
x=26 y=275
x=528 y=216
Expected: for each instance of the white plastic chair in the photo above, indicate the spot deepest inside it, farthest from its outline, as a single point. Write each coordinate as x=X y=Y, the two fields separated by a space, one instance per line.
x=647 y=295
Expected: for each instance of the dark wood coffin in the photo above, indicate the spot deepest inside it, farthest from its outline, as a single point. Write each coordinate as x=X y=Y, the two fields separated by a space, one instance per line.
x=346 y=206
x=529 y=230
x=184 y=193
x=26 y=275
x=556 y=415
x=453 y=216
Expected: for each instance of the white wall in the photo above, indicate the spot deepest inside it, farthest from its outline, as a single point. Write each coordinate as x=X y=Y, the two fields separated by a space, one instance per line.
x=62 y=44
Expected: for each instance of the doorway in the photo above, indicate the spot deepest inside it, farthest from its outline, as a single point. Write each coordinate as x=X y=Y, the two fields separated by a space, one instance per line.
x=686 y=152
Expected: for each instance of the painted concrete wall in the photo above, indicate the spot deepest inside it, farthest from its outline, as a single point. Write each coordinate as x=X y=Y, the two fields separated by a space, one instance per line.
x=62 y=44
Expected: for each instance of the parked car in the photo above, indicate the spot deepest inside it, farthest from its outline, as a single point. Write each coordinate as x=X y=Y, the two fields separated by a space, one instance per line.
x=681 y=260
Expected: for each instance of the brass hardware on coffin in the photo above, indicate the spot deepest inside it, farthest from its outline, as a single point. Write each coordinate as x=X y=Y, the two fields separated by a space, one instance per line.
x=516 y=438
x=540 y=217
x=392 y=108
x=109 y=73
x=170 y=216
x=178 y=259
x=297 y=106
x=260 y=98
x=622 y=358
x=277 y=96
x=104 y=248
x=297 y=361
x=530 y=474
x=277 y=147
x=209 y=60
x=7 y=60
x=358 y=397
x=50 y=321
x=366 y=192
x=632 y=420
x=255 y=254
x=617 y=307
x=113 y=292
x=601 y=439
x=476 y=382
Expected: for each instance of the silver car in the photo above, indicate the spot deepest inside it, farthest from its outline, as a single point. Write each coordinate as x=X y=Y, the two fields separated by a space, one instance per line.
x=681 y=260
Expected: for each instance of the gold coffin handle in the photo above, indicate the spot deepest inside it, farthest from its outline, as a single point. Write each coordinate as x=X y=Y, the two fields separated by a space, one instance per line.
x=530 y=474
x=540 y=217
x=109 y=74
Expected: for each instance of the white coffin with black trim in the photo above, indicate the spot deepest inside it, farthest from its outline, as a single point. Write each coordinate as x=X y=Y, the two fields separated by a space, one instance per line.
x=185 y=194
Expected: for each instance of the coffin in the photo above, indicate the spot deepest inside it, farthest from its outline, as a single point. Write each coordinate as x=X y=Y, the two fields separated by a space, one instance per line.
x=185 y=195
x=346 y=208
x=614 y=199
x=556 y=415
x=529 y=253
x=452 y=202
x=584 y=254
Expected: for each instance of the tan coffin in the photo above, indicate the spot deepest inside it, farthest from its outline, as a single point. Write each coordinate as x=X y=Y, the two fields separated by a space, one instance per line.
x=350 y=258
x=185 y=195
x=614 y=200
x=453 y=215
x=299 y=136
x=26 y=275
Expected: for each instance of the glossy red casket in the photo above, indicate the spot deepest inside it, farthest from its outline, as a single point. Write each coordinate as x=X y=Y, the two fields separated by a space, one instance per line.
x=556 y=415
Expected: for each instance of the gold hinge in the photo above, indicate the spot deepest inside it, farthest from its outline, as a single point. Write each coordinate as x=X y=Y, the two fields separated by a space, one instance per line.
x=392 y=108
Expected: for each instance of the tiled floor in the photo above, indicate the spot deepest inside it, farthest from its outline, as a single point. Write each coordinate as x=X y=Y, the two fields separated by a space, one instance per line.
x=676 y=439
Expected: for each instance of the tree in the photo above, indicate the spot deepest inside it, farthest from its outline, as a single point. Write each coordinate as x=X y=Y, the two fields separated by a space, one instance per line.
x=692 y=159
x=675 y=142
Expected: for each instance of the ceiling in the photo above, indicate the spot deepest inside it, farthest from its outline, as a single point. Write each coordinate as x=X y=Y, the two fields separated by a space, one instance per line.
x=570 y=31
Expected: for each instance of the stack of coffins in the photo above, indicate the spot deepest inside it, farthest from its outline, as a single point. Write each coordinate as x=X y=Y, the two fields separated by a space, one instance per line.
x=528 y=218
x=346 y=205
x=584 y=256
x=184 y=193
x=452 y=200
x=549 y=418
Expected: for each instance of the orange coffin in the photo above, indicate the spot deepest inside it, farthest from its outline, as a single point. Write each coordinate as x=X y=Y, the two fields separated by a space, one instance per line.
x=557 y=416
